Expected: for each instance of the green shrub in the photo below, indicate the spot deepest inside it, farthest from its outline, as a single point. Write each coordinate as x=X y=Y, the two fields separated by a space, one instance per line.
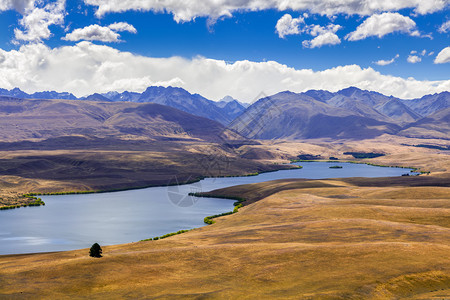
x=95 y=251
x=364 y=155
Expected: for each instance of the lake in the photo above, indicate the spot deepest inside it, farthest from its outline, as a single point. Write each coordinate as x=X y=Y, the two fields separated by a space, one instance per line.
x=69 y=222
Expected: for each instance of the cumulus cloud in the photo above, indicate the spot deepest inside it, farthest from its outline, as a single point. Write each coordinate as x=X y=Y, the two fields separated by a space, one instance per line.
x=188 y=10
x=37 y=19
x=100 y=33
x=383 y=24
x=415 y=56
x=445 y=27
x=93 y=33
x=86 y=68
x=443 y=56
x=386 y=62
x=413 y=59
x=122 y=26
x=323 y=36
x=287 y=25
x=19 y=5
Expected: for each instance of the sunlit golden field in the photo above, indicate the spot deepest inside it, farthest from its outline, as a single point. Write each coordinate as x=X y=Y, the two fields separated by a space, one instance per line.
x=308 y=239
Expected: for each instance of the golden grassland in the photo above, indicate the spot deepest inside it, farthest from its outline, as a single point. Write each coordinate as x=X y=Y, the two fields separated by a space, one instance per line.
x=342 y=241
x=295 y=239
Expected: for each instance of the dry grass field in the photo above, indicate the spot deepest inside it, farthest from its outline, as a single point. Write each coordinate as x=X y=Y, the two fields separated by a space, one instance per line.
x=295 y=239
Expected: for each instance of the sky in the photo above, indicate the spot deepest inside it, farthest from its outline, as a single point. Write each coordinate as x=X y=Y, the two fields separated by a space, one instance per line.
x=216 y=48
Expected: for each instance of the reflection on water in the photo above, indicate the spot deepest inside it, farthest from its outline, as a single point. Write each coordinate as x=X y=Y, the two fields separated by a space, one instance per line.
x=77 y=221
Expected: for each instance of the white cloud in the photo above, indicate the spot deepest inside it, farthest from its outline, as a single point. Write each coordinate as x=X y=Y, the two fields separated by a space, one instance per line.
x=99 y=33
x=86 y=68
x=93 y=33
x=386 y=62
x=287 y=25
x=122 y=26
x=443 y=56
x=383 y=24
x=188 y=10
x=415 y=56
x=323 y=36
x=445 y=27
x=413 y=59
x=19 y=5
x=37 y=19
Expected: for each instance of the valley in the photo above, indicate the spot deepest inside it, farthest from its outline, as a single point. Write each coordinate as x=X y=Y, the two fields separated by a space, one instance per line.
x=335 y=238
x=307 y=239
x=160 y=149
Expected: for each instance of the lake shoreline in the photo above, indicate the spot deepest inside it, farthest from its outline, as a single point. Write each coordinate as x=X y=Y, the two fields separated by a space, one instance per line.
x=239 y=199
x=413 y=169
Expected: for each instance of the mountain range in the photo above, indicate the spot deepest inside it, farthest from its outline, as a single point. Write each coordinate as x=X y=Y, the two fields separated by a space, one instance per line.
x=222 y=111
x=38 y=120
x=350 y=113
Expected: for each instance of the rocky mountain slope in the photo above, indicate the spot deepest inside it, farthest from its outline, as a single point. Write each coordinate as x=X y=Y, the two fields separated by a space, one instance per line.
x=347 y=114
x=23 y=119
x=171 y=96
x=350 y=113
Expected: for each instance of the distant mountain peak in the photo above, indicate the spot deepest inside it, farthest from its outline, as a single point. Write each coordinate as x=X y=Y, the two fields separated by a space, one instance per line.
x=97 y=97
x=227 y=99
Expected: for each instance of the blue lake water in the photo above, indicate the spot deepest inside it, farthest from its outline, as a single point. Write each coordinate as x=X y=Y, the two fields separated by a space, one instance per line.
x=71 y=222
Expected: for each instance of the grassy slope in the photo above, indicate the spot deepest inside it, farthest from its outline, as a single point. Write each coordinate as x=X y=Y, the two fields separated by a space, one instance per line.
x=330 y=239
x=338 y=242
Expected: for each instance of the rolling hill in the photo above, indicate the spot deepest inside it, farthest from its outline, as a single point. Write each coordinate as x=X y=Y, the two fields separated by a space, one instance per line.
x=37 y=120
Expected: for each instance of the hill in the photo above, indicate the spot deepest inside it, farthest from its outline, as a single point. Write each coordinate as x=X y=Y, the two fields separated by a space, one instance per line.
x=436 y=125
x=22 y=119
x=66 y=145
x=299 y=239
x=348 y=114
x=429 y=104
x=298 y=116
x=171 y=96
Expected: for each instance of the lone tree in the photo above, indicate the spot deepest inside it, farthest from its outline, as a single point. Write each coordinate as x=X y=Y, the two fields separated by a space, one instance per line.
x=96 y=250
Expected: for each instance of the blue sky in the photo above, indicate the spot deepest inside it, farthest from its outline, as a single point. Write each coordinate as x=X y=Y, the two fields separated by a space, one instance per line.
x=407 y=42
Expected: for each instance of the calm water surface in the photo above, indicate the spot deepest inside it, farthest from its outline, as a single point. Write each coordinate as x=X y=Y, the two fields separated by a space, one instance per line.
x=77 y=221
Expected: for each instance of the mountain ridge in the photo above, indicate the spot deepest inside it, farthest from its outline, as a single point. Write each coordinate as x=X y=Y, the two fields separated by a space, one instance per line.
x=348 y=113
x=171 y=96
